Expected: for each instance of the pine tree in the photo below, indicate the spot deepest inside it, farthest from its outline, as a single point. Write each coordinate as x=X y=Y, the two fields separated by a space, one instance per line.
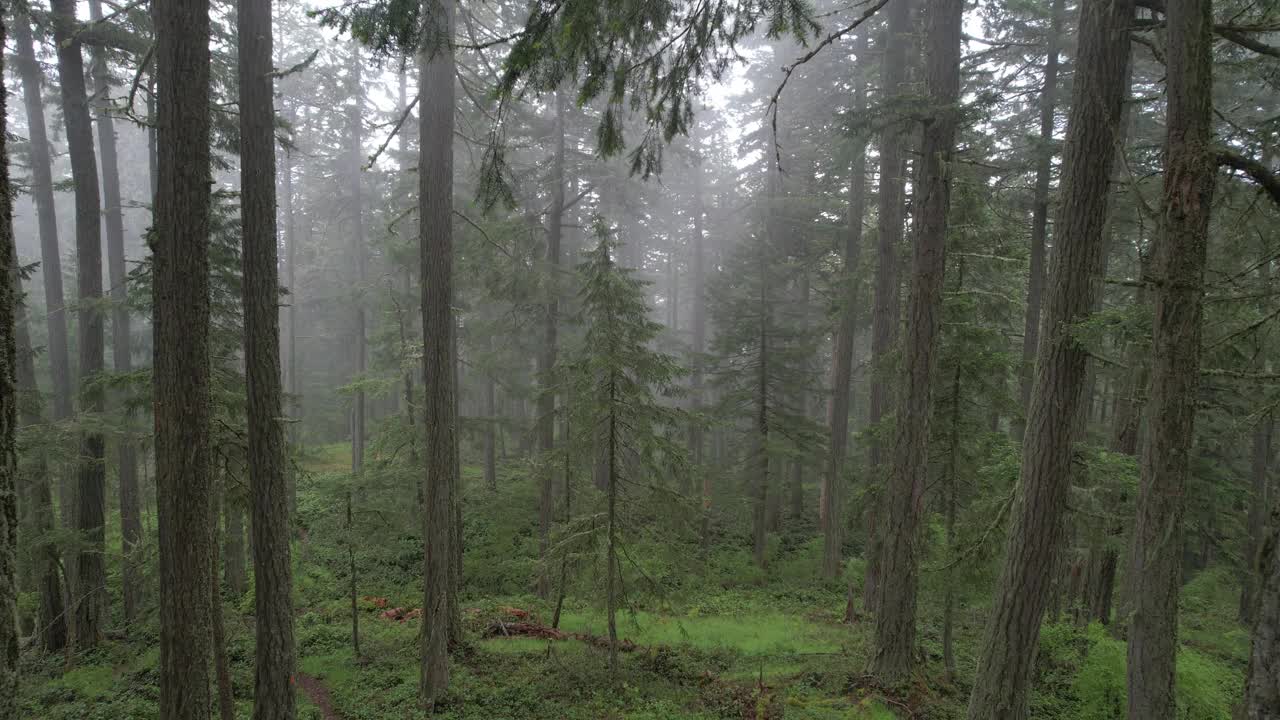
x=616 y=379
x=181 y=302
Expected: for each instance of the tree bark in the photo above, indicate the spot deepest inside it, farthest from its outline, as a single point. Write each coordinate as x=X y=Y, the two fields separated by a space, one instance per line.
x=270 y=490
x=9 y=296
x=1040 y=212
x=1262 y=683
x=547 y=355
x=891 y=211
x=91 y=590
x=181 y=375
x=830 y=509
x=1155 y=568
x=893 y=657
x=435 y=198
x=1005 y=669
x=294 y=384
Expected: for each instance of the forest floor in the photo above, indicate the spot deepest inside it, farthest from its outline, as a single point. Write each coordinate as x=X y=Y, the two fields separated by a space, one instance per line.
x=706 y=637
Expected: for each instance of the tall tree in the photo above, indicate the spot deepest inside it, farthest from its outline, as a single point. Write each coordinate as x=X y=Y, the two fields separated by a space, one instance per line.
x=355 y=198
x=91 y=575
x=121 y=342
x=180 y=299
x=895 y=611
x=53 y=622
x=547 y=353
x=1155 y=566
x=891 y=211
x=1005 y=667
x=1040 y=210
x=830 y=512
x=269 y=491
x=8 y=425
x=698 y=346
x=435 y=214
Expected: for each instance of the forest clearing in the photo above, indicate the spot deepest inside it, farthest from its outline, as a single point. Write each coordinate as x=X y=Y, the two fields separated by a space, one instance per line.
x=639 y=360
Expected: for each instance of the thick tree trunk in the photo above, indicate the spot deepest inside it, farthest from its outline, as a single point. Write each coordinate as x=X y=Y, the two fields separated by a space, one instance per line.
x=547 y=355
x=50 y=254
x=893 y=657
x=271 y=491
x=830 y=509
x=121 y=342
x=1155 y=567
x=91 y=590
x=891 y=210
x=435 y=202
x=9 y=297
x=1259 y=501
x=1005 y=669
x=1040 y=213
x=181 y=321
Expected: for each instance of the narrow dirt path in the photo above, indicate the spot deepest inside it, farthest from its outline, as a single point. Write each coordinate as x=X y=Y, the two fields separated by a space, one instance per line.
x=319 y=696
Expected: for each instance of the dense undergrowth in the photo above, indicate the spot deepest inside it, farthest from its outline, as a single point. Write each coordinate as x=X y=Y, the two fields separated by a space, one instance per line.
x=714 y=636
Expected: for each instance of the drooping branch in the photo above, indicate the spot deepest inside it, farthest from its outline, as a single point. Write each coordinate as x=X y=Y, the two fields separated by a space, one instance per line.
x=1260 y=173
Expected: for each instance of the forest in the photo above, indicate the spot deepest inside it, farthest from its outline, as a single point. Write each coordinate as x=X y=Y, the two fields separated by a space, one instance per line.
x=639 y=359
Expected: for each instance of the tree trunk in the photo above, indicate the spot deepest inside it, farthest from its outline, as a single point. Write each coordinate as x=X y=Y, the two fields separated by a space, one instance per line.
x=294 y=385
x=614 y=579
x=895 y=610
x=891 y=209
x=1006 y=660
x=50 y=255
x=1262 y=683
x=233 y=567
x=52 y=626
x=760 y=529
x=435 y=203
x=490 y=427
x=271 y=492
x=181 y=376
x=90 y=605
x=830 y=509
x=355 y=195
x=121 y=354
x=1040 y=212
x=698 y=347
x=226 y=703
x=547 y=356
x=1259 y=501
x=9 y=297
x=1190 y=166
